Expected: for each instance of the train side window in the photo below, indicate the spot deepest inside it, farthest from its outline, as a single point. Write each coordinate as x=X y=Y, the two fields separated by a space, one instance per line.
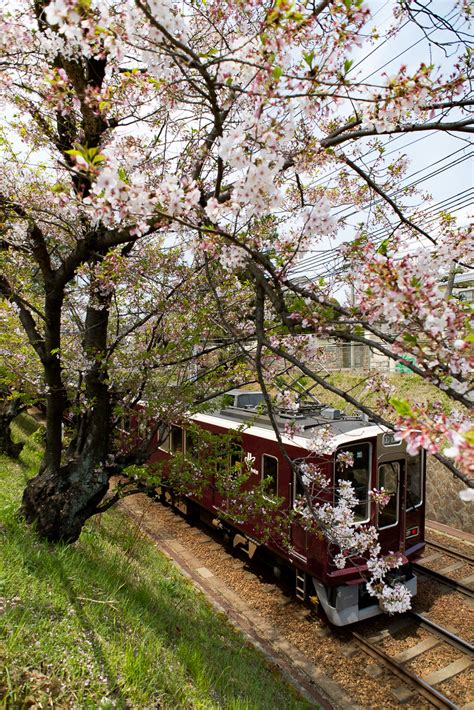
x=388 y=478
x=191 y=445
x=270 y=470
x=359 y=476
x=235 y=460
x=125 y=423
x=414 y=481
x=165 y=440
x=176 y=439
x=298 y=488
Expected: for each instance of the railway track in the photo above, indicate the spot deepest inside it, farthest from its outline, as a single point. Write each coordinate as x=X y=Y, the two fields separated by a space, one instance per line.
x=455 y=584
x=449 y=551
x=422 y=685
x=463 y=585
x=435 y=636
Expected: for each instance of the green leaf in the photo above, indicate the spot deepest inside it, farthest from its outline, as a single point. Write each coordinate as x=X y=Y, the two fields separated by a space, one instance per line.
x=277 y=72
x=402 y=407
x=469 y=436
x=383 y=247
x=308 y=58
x=123 y=174
x=347 y=65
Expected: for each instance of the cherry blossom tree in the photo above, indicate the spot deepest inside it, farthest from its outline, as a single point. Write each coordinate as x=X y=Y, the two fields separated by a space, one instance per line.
x=166 y=185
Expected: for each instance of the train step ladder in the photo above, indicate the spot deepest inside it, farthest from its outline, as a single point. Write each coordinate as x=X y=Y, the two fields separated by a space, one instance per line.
x=300 y=588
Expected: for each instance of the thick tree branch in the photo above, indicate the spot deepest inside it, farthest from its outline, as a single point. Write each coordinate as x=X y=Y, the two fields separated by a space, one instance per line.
x=464 y=126
x=34 y=336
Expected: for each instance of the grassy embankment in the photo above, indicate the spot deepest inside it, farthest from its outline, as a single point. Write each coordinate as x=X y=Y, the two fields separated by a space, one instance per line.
x=407 y=386
x=108 y=621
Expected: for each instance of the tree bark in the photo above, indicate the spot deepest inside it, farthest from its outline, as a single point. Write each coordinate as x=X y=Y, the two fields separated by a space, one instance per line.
x=71 y=483
x=59 y=501
x=10 y=410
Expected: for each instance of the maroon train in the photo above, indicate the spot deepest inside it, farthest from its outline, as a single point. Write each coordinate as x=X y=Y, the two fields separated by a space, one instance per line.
x=379 y=460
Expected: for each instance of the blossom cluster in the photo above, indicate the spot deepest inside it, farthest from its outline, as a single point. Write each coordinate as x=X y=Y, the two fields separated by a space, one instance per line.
x=85 y=29
x=355 y=541
x=115 y=199
x=429 y=428
x=404 y=293
x=379 y=496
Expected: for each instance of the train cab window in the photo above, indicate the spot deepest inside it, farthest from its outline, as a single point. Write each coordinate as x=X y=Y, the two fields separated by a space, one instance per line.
x=389 y=478
x=270 y=471
x=414 y=481
x=359 y=476
x=176 y=439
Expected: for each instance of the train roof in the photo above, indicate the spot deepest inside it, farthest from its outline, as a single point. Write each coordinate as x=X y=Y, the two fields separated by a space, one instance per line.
x=253 y=421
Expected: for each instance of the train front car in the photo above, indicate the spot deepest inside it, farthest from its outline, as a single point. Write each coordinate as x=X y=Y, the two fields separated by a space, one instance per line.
x=380 y=461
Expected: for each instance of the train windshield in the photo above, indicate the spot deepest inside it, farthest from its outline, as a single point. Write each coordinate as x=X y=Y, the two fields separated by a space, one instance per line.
x=414 y=481
x=358 y=474
x=388 y=478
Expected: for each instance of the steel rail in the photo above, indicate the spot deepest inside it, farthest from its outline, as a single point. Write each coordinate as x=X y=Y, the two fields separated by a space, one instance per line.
x=450 y=551
x=448 y=581
x=425 y=689
x=446 y=635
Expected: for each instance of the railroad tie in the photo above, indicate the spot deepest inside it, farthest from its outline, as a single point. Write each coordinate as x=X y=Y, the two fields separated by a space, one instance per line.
x=416 y=650
x=448 y=671
x=430 y=558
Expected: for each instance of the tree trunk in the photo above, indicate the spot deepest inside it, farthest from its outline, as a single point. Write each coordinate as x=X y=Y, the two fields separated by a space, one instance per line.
x=60 y=501
x=64 y=495
x=7 y=445
x=10 y=410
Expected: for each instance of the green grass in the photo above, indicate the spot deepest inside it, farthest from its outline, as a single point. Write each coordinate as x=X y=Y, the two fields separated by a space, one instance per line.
x=109 y=622
x=407 y=386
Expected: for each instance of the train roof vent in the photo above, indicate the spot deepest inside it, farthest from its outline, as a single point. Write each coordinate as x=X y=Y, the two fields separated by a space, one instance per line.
x=331 y=413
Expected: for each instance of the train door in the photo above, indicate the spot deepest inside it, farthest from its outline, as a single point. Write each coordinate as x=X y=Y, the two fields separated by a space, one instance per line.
x=298 y=535
x=227 y=465
x=414 y=508
x=199 y=456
